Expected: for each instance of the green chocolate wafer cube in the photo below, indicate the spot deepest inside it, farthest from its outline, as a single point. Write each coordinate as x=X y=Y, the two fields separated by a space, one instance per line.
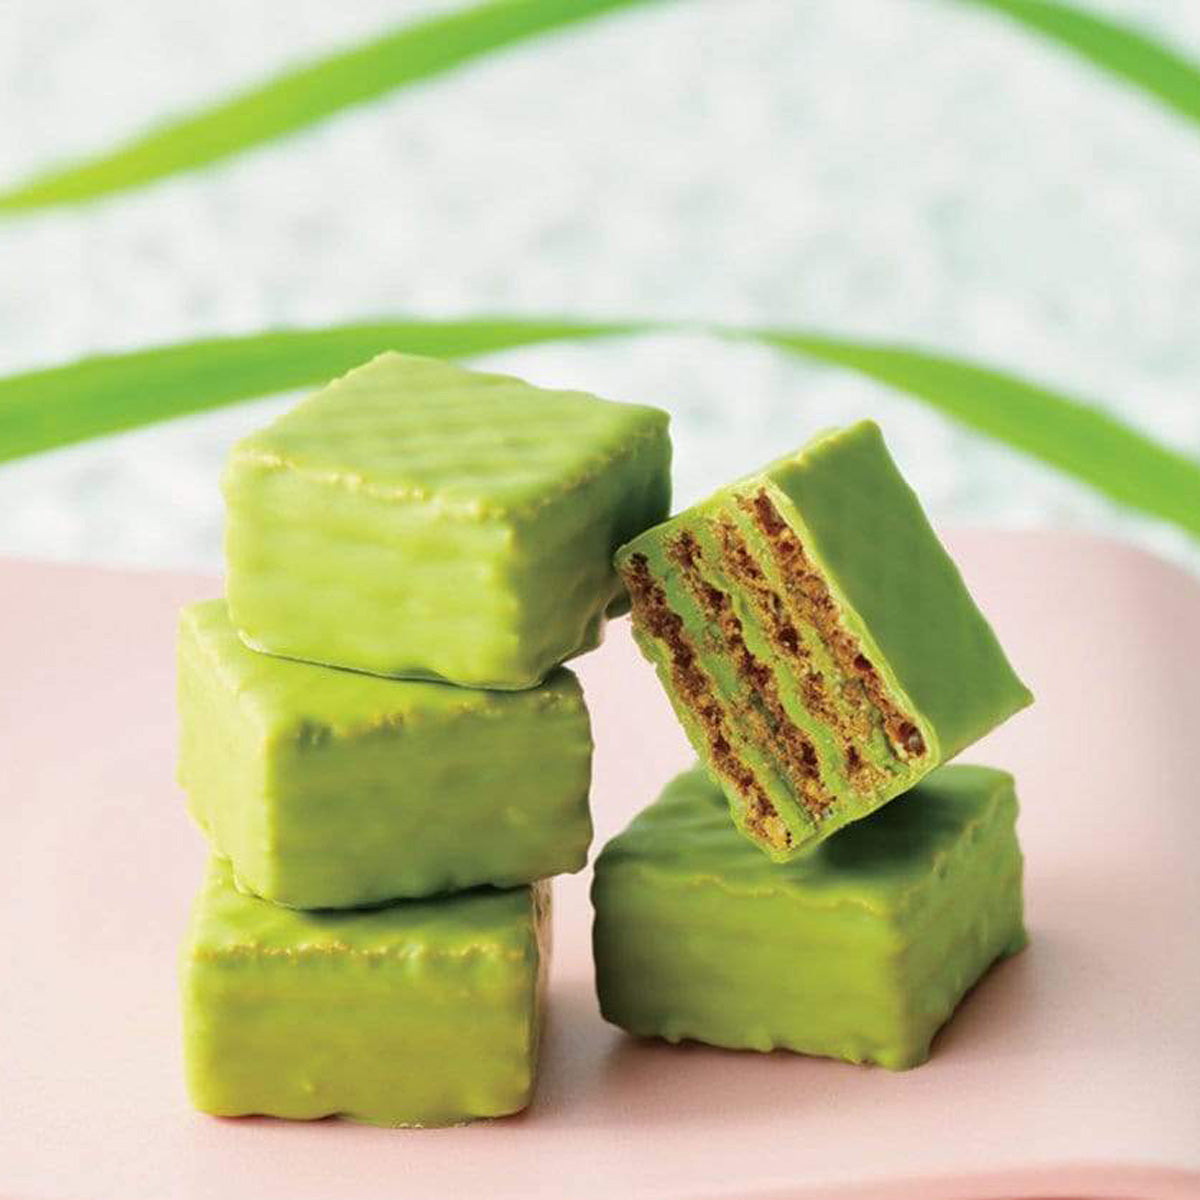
x=330 y=788
x=815 y=639
x=858 y=949
x=420 y=520
x=425 y=1012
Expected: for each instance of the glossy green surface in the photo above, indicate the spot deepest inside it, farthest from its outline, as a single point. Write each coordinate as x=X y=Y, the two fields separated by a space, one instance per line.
x=858 y=949
x=811 y=721
x=421 y=1013
x=869 y=532
x=418 y=519
x=331 y=788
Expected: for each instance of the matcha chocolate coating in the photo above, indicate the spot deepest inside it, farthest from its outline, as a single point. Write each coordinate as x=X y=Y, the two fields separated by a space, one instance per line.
x=420 y=1013
x=420 y=520
x=858 y=949
x=330 y=788
x=815 y=639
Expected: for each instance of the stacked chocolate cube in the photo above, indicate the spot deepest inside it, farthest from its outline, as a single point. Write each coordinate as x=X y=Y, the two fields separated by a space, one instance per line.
x=380 y=741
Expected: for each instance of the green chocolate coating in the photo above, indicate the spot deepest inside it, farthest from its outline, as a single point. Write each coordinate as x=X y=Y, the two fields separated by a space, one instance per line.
x=420 y=520
x=858 y=949
x=815 y=639
x=330 y=788
x=421 y=1013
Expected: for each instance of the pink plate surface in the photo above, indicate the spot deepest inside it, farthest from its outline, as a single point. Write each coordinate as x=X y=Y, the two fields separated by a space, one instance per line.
x=1072 y=1071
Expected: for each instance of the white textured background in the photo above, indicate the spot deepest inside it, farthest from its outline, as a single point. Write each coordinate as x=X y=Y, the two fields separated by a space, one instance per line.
x=905 y=169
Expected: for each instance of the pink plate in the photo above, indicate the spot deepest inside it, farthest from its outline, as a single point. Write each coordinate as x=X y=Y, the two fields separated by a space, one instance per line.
x=1072 y=1071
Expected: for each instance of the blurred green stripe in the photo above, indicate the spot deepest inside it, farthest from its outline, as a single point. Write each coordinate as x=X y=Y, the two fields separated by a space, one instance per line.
x=40 y=410
x=1118 y=48
x=301 y=97
x=1079 y=439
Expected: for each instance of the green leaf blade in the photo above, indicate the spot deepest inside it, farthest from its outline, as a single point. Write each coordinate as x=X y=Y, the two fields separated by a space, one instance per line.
x=1120 y=49
x=1078 y=439
x=58 y=406
x=304 y=96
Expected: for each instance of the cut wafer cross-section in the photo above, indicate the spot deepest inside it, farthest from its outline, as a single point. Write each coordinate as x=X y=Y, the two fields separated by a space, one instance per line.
x=815 y=639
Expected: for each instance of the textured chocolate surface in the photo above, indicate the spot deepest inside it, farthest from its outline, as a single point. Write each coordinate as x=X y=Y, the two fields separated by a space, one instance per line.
x=421 y=520
x=816 y=641
x=860 y=948
x=419 y=1013
x=331 y=788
